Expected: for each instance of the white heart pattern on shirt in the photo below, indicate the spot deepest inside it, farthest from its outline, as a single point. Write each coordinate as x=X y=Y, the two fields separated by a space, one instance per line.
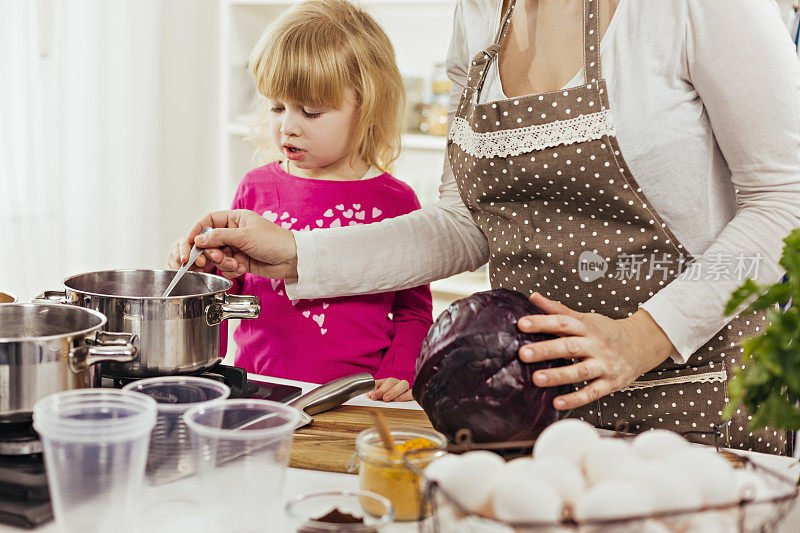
x=285 y=215
x=319 y=319
x=360 y=215
x=323 y=331
x=280 y=293
x=336 y=224
x=294 y=220
x=307 y=228
x=356 y=206
x=320 y=222
x=352 y=223
x=325 y=305
x=340 y=207
x=269 y=215
x=328 y=213
x=348 y=213
x=286 y=225
x=306 y=314
x=376 y=212
x=274 y=283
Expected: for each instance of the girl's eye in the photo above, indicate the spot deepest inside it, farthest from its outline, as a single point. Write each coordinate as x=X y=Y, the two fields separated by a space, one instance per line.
x=311 y=115
x=276 y=109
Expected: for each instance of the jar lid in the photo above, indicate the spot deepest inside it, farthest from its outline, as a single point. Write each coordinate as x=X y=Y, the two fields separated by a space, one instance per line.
x=369 y=445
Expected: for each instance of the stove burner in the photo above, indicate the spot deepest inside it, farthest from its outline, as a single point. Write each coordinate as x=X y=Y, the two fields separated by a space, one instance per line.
x=232 y=376
x=19 y=438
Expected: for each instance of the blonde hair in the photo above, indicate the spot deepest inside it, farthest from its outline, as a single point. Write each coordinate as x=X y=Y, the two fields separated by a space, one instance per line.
x=314 y=52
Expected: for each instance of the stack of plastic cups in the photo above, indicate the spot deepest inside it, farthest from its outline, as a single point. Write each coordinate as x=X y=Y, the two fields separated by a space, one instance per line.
x=242 y=450
x=95 y=447
x=170 y=456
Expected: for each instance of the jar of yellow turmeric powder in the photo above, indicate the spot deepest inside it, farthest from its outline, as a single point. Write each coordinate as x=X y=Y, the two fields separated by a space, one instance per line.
x=386 y=474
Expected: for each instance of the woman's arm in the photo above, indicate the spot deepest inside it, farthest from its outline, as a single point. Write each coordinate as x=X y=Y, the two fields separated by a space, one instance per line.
x=743 y=67
x=406 y=251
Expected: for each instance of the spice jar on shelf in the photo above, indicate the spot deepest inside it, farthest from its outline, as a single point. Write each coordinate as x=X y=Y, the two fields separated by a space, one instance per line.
x=386 y=474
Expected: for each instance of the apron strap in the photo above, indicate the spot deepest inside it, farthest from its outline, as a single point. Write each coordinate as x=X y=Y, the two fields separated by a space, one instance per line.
x=591 y=40
x=591 y=49
x=482 y=61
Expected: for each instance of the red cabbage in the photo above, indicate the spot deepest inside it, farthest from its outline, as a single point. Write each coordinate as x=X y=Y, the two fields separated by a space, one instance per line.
x=469 y=374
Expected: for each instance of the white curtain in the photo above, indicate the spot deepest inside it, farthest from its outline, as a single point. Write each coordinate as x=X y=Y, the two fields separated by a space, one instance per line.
x=79 y=144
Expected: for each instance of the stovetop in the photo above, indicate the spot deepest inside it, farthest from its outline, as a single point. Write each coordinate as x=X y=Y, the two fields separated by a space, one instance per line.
x=24 y=498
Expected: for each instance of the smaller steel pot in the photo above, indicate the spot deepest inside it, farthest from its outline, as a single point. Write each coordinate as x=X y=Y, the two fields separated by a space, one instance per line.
x=47 y=348
x=7 y=297
x=178 y=334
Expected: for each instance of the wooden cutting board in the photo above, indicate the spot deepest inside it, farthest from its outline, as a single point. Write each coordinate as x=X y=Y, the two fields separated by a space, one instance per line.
x=329 y=443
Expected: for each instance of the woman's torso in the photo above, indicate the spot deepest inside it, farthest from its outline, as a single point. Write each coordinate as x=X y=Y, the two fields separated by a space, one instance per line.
x=662 y=126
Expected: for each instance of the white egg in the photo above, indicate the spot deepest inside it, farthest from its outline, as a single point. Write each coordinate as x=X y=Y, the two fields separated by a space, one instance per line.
x=715 y=522
x=672 y=489
x=472 y=482
x=561 y=474
x=614 y=499
x=655 y=526
x=568 y=438
x=710 y=473
x=609 y=459
x=518 y=498
x=657 y=444
x=442 y=469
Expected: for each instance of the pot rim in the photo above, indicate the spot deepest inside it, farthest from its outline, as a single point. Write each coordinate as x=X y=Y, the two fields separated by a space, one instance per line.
x=181 y=297
x=71 y=309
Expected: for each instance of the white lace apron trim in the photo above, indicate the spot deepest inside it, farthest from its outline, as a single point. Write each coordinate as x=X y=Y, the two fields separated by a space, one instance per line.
x=517 y=141
x=705 y=377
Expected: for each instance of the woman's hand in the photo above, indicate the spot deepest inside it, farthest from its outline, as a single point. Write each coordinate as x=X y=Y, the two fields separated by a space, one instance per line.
x=610 y=353
x=179 y=254
x=391 y=390
x=242 y=241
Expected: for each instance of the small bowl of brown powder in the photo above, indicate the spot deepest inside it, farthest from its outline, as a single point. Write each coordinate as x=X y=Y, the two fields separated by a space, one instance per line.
x=351 y=511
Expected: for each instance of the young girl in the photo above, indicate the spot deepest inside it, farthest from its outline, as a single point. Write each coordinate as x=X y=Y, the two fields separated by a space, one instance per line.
x=334 y=97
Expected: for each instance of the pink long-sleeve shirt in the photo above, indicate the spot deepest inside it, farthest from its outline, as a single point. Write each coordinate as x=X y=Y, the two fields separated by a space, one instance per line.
x=322 y=339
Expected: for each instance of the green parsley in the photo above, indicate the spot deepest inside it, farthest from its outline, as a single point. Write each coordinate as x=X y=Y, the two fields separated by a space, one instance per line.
x=769 y=385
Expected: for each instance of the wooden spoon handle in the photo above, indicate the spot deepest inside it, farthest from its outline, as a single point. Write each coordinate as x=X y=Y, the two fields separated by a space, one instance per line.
x=383 y=430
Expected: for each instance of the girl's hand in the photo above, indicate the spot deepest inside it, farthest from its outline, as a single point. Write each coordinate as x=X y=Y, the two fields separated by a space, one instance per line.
x=611 y=353
x=391 y=390
x=244 y=241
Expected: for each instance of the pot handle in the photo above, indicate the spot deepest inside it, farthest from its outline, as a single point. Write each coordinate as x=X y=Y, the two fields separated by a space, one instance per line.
x=233 y=306
x=52 y=297
x=106 y=347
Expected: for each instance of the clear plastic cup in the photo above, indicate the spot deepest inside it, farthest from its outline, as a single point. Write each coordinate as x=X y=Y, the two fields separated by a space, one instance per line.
x=95 y=446
x=170 y=457
x=242 y=450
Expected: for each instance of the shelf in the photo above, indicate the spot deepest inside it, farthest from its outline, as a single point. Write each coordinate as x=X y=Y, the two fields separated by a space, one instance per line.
x=419 y=141
x=462 y=284
x=240 y=128
x=364 y=2
x=412 y=141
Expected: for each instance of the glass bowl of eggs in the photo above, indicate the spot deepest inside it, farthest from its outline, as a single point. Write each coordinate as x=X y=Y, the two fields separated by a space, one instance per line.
x=579 y=481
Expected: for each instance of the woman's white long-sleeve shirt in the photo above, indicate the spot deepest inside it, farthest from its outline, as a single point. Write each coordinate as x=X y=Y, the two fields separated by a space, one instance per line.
x=705 y=96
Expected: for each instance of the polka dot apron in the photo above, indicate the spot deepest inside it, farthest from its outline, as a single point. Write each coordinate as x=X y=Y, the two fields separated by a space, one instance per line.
x=544 y=179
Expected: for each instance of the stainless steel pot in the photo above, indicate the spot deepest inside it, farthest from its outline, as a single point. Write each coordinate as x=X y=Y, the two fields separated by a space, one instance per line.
x=178 y=334
x=7 y=297
x=47 y=348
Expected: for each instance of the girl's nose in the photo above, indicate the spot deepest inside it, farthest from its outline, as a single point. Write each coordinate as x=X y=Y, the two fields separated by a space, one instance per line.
x=290 y=125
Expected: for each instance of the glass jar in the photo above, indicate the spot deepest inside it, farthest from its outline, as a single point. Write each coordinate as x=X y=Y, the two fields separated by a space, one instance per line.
x=386 y=474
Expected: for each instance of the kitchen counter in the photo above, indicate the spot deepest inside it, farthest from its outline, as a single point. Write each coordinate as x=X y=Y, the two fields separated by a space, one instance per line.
x=299 y=481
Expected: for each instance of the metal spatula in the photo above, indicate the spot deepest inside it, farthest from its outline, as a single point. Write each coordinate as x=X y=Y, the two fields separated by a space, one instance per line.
x=193 y=255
